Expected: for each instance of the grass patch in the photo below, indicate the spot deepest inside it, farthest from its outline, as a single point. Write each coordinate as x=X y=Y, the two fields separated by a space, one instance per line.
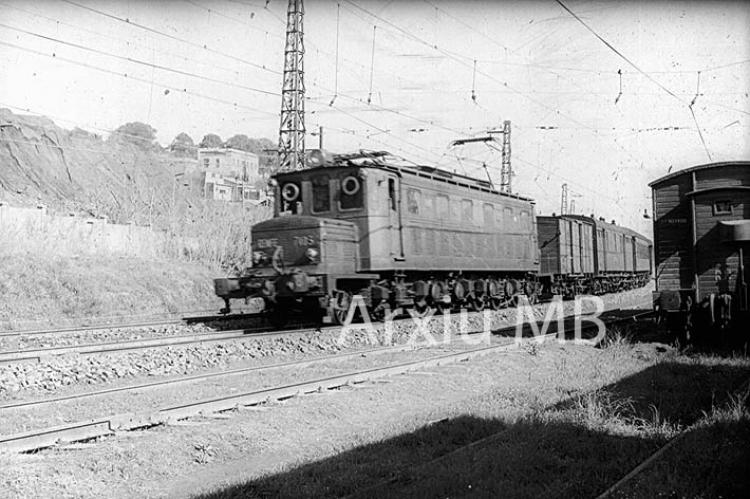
x=552 y=436
x=38 y=290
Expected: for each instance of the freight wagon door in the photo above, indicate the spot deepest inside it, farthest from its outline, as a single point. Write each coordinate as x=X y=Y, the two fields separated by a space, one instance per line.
x=394 y=214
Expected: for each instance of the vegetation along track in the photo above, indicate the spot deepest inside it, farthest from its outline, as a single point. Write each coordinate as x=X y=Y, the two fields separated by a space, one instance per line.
x=623 y=482
x=32 y=440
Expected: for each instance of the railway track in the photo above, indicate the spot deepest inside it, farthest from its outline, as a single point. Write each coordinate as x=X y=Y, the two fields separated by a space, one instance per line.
x=40 y=354
x=90 y=429
x=188 y=319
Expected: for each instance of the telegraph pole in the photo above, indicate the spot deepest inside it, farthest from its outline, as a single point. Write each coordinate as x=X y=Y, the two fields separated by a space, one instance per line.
x=292 y=128
x=564 y=200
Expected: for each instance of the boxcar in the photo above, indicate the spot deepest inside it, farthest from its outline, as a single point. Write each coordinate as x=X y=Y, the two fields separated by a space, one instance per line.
x=701 y=236
x=581 y=254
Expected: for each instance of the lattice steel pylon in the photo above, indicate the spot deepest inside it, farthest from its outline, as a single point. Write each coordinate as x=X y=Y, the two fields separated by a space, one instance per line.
x=292 y=128
x=506 y=172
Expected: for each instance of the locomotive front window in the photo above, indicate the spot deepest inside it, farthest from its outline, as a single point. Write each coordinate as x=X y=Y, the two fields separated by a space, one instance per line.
x=351 y=197
x=291 y=198
x=321 y=193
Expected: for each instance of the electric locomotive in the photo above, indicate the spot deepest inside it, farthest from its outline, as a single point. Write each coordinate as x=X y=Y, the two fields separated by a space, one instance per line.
x=395 y=234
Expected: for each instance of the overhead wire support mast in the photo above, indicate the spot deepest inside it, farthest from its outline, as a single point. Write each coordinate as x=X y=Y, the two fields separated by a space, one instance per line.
x=506 y=173
x=292 y=127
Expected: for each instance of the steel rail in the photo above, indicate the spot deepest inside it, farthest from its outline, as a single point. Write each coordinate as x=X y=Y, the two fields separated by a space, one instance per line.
x=86 y=430
x=39 y=354
x=203 y=377
x=188 y=319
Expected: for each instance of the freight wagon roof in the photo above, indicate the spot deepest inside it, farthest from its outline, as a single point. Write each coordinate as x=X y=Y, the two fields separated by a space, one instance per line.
x=610 y=226
x=374 y=160
x=707 y=166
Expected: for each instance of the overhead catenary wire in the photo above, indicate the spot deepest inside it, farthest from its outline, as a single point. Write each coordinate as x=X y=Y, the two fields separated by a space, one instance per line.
x=129 y=42
x=372 y=63
x=171 y=37
x=646 y=75
x=138 y=61
x=54 y=55
x=336 y=74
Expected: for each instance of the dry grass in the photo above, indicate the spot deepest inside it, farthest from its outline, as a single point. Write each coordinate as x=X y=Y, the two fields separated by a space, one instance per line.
x=572 y=431
x=39 y=291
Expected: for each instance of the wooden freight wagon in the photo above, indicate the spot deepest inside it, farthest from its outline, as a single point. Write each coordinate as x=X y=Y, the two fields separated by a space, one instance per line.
x=702 y=238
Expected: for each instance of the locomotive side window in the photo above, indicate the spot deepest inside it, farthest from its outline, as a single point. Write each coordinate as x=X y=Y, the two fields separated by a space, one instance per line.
x=722 y=208
x=508 y=217
x=467 y=210
x=524 y=219
x=489 y=215
x=455 y=209
x=412 y=201
x=321 y=193
x=428 y=202
x=351 y=193
x=442 y=206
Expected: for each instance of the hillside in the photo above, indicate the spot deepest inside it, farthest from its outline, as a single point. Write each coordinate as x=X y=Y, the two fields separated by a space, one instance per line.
x=123 y=177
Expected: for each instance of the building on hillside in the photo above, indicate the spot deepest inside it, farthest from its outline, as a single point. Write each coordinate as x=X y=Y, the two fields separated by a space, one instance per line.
x=230 y=175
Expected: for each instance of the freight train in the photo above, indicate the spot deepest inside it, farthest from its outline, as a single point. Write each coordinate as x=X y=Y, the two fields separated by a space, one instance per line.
x=702 y=248
x=420 y=237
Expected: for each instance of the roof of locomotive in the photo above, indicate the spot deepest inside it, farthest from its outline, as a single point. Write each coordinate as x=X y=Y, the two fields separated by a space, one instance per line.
x=374 y=160
x=696 y=168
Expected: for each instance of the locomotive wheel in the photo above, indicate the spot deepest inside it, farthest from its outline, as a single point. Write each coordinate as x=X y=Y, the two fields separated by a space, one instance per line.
x=478 y=303
x=421 y=307
x=340 y=307
x=496 y=303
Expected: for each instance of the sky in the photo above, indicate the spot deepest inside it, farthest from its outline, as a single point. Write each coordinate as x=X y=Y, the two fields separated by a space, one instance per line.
x=603 y=96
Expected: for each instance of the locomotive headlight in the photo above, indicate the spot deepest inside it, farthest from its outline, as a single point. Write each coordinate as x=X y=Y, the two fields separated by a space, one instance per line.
x=258 y=257
x=312 y=254
x=290 y=192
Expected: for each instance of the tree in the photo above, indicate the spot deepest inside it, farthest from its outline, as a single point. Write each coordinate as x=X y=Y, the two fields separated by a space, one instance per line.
x=241 y=142
x=183 y=145
x=211 y=140
x=137 y=133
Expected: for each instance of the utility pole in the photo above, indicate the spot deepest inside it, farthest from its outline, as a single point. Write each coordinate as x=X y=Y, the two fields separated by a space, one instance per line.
x=292 y=128
x=507 y=172
x=564 y=200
